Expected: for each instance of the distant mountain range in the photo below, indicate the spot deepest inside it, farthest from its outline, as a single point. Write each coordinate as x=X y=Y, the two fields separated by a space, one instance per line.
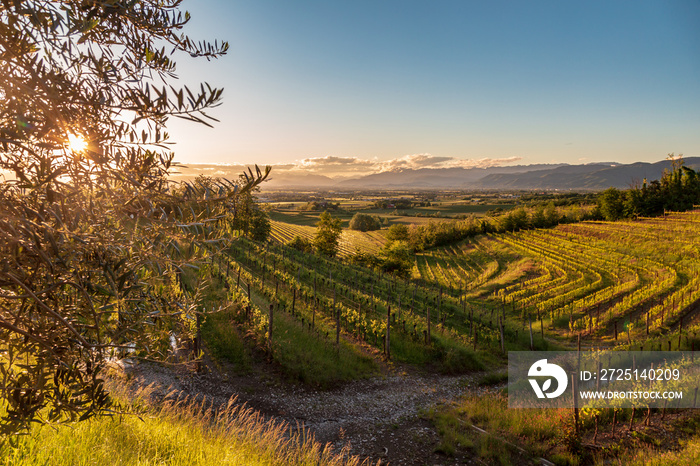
x=432 y=178
x=595 y=176
x=584 y=177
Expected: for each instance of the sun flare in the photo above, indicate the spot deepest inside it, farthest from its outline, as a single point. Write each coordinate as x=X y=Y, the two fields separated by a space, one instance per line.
x=77 y=143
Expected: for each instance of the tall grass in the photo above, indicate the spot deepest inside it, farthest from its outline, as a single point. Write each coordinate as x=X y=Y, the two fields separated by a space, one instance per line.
x=688 y=454
x=179 y=432
x=224 y=341
x=550 y=433
x=310 y=358
x=541 y=433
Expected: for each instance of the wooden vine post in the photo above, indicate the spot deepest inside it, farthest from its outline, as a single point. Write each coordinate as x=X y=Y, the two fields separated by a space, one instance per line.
x=648 y=322
x=471 y=319
x=428 y=319
x=388 y=327
x=574 y=393
x=269 y=330
x=503 y=342
x=313 y=314
x=337 y=321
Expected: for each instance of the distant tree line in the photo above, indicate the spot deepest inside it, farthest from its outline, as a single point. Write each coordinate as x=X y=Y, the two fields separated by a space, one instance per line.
x=678 y=190
x=319 y=205
x=558 y=199
x=396 y=257
x=430 y=235
x=393 y=204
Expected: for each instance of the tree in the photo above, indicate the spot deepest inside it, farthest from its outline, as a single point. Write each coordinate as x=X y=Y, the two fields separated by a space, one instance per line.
x=611 y=204
x=364 y=222
x=678 y=190
x=94 y=241
x=300 y=244
x=250 y=218
x=397 y=232
x=397 y=258
x=260 y=226
x=550 y=215
x=328 y=230
x=513 y=221
x=538 y=218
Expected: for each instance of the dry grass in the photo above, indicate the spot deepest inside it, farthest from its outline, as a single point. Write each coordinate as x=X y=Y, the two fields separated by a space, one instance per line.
x=174 y=432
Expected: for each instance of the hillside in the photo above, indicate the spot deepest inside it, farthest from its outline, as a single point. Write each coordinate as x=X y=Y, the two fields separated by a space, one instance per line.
x=583 y=177
x=430 y=178
x=467 y=304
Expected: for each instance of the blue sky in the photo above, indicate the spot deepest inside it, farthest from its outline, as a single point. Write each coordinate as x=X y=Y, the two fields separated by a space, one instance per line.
x=333 y=87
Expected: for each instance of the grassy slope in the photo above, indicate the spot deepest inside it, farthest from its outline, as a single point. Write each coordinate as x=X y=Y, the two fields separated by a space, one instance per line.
x=305 y=355
x=174 y=434
x=549 y=433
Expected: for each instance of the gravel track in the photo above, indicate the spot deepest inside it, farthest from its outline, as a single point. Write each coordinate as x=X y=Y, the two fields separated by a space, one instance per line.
x=379 y=418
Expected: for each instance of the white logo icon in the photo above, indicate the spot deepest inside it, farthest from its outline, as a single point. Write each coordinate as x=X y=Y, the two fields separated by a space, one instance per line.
x=542 y=368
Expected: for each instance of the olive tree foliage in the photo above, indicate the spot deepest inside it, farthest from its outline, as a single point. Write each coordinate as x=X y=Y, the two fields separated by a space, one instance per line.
x=98 y=253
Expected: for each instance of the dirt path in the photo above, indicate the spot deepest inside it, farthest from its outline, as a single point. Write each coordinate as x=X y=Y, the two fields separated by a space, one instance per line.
x=380 y=418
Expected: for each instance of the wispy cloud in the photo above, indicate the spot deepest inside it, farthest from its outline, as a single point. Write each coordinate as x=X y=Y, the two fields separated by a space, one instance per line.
x=350 y=167
x=482 y=163
x=331 y=163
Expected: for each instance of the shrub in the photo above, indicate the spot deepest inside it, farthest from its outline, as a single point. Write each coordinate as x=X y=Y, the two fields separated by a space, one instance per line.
x=397 y=232
x=301 y=244
x=365 y=222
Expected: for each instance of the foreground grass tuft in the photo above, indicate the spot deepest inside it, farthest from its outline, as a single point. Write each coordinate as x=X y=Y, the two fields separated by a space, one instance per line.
x=180 y=432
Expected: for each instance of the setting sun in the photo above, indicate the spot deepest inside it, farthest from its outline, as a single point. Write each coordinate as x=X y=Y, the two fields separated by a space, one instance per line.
x=77 y=143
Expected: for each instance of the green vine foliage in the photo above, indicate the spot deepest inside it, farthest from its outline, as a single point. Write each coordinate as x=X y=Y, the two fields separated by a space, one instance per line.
x=98 y=251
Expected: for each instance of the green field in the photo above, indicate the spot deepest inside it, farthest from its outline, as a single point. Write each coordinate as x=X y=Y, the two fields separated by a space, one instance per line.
x=290 y=213
x=445 y=209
